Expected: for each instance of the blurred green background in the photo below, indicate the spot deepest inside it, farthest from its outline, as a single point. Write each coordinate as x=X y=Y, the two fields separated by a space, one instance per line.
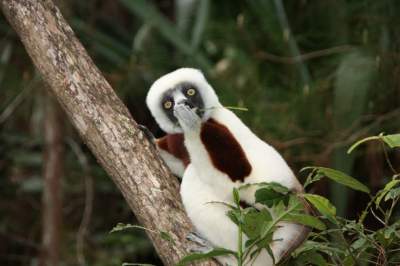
x=315 y=76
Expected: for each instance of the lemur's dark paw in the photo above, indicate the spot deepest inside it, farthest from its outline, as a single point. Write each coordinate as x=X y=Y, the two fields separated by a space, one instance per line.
x=147 y=133
x=197 y=238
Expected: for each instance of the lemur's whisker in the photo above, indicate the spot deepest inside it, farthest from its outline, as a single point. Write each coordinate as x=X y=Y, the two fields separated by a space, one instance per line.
x=237 y=108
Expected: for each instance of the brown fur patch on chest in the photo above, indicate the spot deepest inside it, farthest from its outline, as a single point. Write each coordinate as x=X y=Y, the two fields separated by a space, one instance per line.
x=224 y=150
x=174 y=144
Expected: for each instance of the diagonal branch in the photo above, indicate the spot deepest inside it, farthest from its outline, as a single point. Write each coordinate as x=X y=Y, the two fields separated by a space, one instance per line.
x=103 y=122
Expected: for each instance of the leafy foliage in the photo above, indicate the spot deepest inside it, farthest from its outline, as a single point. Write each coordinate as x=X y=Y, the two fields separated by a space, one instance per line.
x=336 y=176
x=259 y=224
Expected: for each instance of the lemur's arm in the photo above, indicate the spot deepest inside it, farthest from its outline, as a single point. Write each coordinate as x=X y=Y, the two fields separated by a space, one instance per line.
x=172 y=150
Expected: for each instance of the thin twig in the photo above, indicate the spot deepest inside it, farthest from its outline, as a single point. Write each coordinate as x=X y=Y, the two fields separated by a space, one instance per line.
x=350 y=137
x=291 y=60
x=389 y=214
x=385 y=152
x=9 y=109
x=377 y=217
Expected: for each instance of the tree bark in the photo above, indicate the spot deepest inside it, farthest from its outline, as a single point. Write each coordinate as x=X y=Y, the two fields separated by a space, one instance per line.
x=103 y=122
x=52 y=174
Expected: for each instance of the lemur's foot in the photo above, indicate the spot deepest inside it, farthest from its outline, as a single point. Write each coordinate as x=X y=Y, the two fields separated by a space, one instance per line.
x=197 y=238
x=147 y=133
x=201 y=245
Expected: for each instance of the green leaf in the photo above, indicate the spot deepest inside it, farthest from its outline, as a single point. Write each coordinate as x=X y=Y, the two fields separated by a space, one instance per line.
x=305 y=219
x=236 y=197
x=385 y=190
x=392 y=140
x=383 y=236
x=273 y=185
x=254 y=222
x=235 y=216
x=296 y=204
x=249 y=242
x=311 y=257
x=392 y=194
x=255 y=252
x=199 y=256
x=280 y=212
x=271 y=193
x=323 y=205
x=268 y=197
x=321 y=247
x=388 y=232
x=263 y=238
x=229 y=206
x=277 y=187
x=348 y=261
x=312 y=177
x=343 y=179
x=295 y=213
x=271 y=253
x=359 y=243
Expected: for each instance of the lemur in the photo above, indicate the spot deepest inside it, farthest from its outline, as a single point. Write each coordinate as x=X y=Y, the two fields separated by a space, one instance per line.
x=214 y=151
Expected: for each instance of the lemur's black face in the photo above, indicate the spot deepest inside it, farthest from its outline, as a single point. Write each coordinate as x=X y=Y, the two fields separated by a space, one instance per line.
x=184 y=93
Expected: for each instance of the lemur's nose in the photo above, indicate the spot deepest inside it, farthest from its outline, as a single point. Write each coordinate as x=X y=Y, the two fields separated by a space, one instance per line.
x=186 y=102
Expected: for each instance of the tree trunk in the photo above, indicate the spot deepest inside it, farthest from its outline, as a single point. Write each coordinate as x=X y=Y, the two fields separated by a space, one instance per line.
x=103 y=122
x=52 y=175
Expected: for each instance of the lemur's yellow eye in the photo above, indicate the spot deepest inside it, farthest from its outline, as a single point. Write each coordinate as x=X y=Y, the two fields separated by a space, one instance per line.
x=167 y=104
x=191 y=92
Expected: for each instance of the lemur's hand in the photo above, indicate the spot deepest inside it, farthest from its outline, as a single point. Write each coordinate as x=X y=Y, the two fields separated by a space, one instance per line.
x=187 y=117
x=147 y=133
